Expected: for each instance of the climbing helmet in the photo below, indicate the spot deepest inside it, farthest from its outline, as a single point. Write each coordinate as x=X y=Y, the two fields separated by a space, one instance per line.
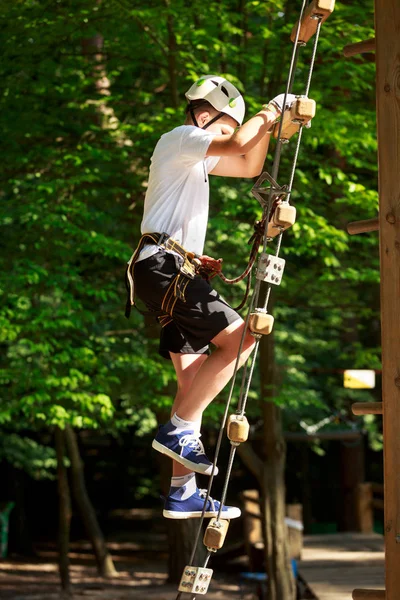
x=220 y=93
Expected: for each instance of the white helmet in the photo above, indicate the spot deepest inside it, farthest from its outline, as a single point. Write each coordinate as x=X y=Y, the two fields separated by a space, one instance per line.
x=220 y=93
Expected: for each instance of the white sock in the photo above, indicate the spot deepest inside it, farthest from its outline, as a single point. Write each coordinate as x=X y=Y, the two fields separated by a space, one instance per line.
x=181 y=424
x=189 y=481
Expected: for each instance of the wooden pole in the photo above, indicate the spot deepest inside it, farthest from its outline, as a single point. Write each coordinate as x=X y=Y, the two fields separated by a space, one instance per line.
x=387 y=29
x=365 y=513
x=369 y=595
x=359 y=47
x=363 y=226
x=367 y=408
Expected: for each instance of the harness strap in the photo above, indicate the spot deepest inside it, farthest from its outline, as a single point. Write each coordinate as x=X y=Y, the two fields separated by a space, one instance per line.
x=178 y=285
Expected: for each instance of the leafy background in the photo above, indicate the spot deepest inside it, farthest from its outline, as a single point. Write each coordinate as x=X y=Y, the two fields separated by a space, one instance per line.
x=88 y=87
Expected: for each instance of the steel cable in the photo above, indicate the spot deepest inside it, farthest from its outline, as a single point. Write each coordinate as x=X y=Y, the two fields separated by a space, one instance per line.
x=244 y=389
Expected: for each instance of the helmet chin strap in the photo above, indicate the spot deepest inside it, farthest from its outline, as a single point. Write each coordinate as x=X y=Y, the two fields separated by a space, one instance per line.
x=221 y=114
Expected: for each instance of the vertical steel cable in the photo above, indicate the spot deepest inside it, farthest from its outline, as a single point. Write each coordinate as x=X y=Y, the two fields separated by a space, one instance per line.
x=243 y=395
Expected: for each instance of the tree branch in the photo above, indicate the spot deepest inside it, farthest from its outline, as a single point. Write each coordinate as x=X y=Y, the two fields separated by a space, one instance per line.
x=145 y=28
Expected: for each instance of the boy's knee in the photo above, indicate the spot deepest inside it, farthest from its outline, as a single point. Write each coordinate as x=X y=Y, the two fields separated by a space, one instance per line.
x=184 y=385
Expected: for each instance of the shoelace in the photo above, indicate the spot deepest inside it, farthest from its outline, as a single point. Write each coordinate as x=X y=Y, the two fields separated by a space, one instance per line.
x=193 y=441
x=203 y=495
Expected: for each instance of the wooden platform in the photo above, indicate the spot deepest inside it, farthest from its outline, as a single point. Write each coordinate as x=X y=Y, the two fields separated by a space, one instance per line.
x=335 y=564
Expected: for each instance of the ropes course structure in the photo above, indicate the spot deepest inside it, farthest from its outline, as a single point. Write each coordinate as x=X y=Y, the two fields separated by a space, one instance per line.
x=277 y=216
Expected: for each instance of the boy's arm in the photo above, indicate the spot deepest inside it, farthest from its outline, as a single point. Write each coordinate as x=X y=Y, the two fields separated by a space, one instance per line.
x=243 y=153
x=250 y=161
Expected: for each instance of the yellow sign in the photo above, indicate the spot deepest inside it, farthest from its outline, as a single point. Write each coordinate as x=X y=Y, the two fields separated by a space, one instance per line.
x=359 y=379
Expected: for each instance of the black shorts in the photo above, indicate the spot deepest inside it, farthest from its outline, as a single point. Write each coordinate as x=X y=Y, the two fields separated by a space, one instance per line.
x=197 y=320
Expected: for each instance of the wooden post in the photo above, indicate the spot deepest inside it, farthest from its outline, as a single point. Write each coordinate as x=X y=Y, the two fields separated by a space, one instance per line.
x=295 y=512
x=365 y=513
x=387 y=27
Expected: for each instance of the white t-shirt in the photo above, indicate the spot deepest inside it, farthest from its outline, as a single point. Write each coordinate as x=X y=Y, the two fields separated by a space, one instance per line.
x=177 y=196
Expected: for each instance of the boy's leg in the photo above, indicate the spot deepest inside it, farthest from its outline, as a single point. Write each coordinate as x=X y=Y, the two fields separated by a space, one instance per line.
x=216 y=371
x=186 y=367
x=185 y=500
x=180 y=437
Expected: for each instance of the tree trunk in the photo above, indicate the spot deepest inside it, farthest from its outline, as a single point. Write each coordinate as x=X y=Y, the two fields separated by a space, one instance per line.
x=64 y=514
x=21 y=539
x=92 y=49
x=181 y=537
x=181 y=534
x=105 y=563
x=280 y=579
x=172 y=54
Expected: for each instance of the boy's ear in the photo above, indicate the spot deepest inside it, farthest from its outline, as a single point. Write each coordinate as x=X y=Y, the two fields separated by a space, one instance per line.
x=203 y=117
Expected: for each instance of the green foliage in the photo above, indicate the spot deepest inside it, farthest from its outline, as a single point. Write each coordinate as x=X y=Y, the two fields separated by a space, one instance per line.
x=37 y=460
x=81 y=115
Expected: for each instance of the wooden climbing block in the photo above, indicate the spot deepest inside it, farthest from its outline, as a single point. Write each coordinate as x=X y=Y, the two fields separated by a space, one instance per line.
x=215 y=534
x=284 y=216
x=261 y=322
x=301 y=112
x=238 y=429
x=309 y=23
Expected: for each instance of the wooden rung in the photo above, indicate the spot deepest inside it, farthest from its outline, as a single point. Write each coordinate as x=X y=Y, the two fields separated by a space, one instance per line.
x=359 y=47
x=369 y=595
x=261 y=322
x=238 y=429
x=215 y=534
x=363 y=226
x=284 y=216
x=308 y=23
x=300 y=113
x=367 y=408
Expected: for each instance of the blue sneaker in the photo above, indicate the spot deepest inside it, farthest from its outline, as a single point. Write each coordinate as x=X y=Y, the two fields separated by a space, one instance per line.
x=192 y=507
x=185 y=447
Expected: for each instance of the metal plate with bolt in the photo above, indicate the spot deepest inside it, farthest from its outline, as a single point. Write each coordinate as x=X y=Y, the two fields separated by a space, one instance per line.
x=270 y=268
x=195 y=579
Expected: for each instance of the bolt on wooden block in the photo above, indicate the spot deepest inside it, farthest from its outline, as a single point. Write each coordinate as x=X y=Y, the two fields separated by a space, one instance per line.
x=215 y=534
x=309 y=23
x=261 y=322
x=301 y=112
x=238 y=428
x=284 y=216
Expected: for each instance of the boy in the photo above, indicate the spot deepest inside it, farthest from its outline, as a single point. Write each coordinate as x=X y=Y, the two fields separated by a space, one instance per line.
x=191 y=312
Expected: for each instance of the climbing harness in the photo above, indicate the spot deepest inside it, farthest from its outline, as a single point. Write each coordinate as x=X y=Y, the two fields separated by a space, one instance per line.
x=177 y=288
x=193 y=265
x=278 y=214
